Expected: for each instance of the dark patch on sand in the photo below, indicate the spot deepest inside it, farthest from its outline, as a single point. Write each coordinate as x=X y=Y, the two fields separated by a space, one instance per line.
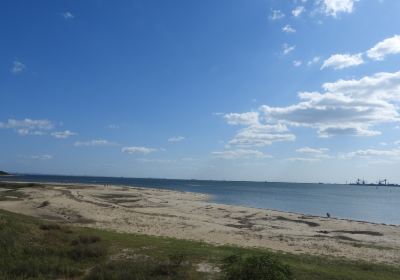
x=71 y=196
x=364 y=232
x=310 y=224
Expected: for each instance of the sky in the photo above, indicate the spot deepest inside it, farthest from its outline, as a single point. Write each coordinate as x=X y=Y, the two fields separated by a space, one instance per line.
x=278 y=90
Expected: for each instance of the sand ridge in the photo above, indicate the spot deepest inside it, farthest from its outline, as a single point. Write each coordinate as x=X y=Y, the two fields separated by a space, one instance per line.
x=191 y=216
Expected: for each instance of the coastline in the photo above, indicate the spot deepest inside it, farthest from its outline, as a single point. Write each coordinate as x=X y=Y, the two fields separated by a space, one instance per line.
x=209 y=198
x=187 y=215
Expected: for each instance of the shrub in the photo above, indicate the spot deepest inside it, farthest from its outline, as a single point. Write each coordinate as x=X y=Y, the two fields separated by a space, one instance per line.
x=44 y=204
x=87 y=251
x=50 y=227
x=172 y=268
x=260 y=267
x=87 y=247
x=86 y=239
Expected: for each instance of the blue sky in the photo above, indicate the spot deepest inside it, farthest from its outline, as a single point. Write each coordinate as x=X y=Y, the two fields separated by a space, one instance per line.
x=241 y=90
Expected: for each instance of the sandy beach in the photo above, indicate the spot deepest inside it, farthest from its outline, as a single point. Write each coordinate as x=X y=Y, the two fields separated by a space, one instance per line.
x=191 y=216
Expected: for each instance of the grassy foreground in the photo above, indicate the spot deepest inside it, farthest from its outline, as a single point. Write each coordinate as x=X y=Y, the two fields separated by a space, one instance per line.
x=34 y=249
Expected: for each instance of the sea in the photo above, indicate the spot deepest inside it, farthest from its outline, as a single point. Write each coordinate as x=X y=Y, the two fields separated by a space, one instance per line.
x=363 y=203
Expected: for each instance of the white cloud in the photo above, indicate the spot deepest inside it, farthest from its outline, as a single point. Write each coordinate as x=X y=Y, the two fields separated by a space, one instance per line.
x=162 y=161
x=276 y=14
x=260 y=135
x=297 y=63
x=288 y=29
x=340 y=61
x=334 y=7
x=28 y=126
x=138 y=150
x=176 y=139
x=351 y=129
x=304 y=159
x=248 y=118
x=17 y=67
x=112 y=126
x=93 y=143
x=255 y=133
x=371 y=153
x=384 y=48
x=314 y=60
x=239 y=154
x=314 y=153
x=41 y=157
x=345 y=107
x=298 y=11
x=378 y=52
x=35 y=127
x=62 y=134
x=308 y=150
x=286 y=49
x=68 y=15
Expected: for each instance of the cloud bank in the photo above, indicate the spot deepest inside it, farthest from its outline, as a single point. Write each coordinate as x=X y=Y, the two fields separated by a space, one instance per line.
x=138 y=150
x=93 y=143
x=335 y=7
x=340 y=61
x=28 y=126
x=239 y=154
x=345 y=107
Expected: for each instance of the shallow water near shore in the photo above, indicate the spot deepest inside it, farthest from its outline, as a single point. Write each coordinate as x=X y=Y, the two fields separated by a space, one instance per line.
x=364 y=203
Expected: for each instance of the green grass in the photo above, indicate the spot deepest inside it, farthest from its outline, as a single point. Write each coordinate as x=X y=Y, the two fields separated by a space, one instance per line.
x=33 y=249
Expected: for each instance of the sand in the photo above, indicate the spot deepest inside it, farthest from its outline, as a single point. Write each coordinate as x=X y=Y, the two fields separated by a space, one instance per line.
x=191 y=216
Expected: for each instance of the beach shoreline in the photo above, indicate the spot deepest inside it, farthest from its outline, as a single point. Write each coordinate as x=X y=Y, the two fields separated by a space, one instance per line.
x=208 y=197
x=188 y=215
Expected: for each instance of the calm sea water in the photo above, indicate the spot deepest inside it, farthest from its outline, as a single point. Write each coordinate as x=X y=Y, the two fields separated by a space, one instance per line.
x=365 y=203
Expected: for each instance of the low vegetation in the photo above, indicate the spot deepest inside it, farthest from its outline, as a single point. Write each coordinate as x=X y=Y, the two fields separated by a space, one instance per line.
x=44 y=204
x=34 y=249
x=10 y=191
x=263 y=267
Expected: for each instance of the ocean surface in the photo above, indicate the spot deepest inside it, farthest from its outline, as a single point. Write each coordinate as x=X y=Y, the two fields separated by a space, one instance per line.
x=364 y=203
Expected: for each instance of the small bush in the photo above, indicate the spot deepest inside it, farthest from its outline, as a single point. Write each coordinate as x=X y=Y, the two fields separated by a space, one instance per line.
x=261 y=267
x=86 y=239
x=86 y=247
x=50 y=227
x=44 y=204
x=172 y=268
x=119 y=269
x=87 y=251
x=67 y=230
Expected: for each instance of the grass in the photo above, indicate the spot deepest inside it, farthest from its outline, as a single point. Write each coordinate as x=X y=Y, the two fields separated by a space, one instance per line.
x=10 y=195
x=10 y=191
x=12 y=185
x=33 y=249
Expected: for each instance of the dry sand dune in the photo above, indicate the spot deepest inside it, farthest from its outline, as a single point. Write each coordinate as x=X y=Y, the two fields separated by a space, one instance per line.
x=190 y=216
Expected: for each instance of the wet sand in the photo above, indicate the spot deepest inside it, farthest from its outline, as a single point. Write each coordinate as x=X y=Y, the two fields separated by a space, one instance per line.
x=191 y=216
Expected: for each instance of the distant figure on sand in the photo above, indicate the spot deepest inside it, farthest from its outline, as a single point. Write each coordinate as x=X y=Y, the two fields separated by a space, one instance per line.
x=328 y=215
